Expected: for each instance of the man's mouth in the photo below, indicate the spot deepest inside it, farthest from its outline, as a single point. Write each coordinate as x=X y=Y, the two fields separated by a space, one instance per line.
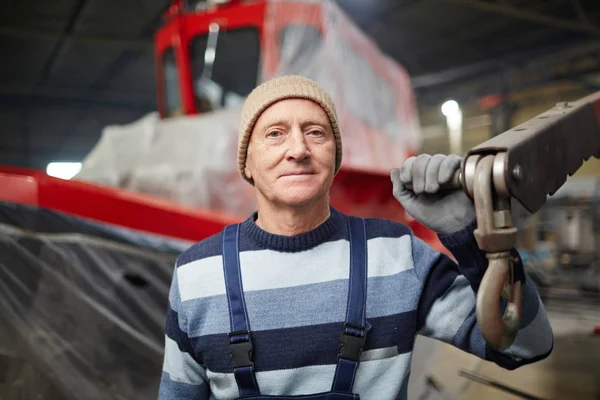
x=300 y=173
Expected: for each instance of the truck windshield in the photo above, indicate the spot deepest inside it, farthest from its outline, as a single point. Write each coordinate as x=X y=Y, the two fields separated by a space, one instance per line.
x=225 y=66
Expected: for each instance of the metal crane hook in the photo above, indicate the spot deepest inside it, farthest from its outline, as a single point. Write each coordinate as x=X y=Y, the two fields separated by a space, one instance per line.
x=525 y=163
x=496 y=236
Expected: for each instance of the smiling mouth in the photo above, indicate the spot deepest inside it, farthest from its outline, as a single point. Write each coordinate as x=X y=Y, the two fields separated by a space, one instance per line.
x=297 y=174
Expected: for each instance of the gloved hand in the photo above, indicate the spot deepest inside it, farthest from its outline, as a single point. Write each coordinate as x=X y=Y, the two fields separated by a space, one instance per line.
x=441 y=211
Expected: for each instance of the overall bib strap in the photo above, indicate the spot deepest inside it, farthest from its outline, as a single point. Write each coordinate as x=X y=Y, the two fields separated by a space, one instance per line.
x=354 y=333
x=239 y=340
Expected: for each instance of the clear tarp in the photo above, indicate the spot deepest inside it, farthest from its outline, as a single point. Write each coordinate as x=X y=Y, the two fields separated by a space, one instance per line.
x=82 y=307
x=191 y=159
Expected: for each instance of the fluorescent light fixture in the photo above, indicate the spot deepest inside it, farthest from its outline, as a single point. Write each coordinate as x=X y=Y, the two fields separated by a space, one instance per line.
x=454 y=121
x=450 y=108
x=63 y=170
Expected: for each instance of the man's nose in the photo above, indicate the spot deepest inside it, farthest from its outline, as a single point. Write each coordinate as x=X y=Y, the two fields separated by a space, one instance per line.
x=298 y=148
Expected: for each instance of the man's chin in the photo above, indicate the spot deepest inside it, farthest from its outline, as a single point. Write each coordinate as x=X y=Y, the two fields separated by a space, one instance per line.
x=295 y=193
x=299 y=195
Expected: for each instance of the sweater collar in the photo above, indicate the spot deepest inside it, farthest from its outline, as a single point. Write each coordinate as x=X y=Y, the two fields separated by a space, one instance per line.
x=303 y=241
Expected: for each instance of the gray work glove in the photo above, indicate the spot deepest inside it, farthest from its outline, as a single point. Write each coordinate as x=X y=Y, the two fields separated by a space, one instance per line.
x=441 y=211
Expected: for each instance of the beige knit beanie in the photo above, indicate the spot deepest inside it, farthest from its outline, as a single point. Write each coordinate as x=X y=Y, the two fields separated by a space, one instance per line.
x=274 y=90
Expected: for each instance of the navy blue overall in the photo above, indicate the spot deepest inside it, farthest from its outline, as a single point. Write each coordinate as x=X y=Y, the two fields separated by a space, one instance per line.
x=353 y=332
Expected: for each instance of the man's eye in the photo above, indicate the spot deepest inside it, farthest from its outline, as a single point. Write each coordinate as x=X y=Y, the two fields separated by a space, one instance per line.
x=316 y=132
x=274 y=134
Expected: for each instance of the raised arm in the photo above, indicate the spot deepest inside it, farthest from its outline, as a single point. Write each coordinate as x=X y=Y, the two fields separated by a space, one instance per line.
x=447 y=307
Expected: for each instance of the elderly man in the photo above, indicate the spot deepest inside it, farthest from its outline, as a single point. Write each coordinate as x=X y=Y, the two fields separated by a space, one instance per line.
x=302 y=300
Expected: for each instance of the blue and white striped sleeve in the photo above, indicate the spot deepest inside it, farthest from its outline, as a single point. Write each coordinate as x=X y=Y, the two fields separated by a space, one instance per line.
x=447 y=305
x=183 y=376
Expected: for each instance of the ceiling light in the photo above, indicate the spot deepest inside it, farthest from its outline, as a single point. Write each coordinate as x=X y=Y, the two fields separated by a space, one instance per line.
x=450 y=108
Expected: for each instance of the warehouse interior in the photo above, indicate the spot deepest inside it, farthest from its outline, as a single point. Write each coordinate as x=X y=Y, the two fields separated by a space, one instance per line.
x=89 y=121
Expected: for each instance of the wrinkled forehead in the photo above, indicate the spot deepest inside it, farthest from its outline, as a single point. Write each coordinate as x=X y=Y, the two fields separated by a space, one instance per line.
x=289 y=111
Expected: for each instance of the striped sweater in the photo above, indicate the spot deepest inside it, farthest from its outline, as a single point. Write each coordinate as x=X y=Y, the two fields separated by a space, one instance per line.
x=296 y=290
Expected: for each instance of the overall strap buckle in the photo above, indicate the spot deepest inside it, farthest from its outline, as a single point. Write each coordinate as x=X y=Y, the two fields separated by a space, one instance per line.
x=240 y=349
x=354 y=334
x=352 y=342
x=239 y=340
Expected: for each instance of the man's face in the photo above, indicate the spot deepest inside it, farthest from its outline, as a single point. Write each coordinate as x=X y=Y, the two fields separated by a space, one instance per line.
x=291 y=155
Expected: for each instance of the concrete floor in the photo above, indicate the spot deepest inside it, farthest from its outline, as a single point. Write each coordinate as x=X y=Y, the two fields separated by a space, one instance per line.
x=571 y=372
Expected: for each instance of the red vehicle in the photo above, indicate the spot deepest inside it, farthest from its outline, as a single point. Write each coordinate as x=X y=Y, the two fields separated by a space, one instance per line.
x=242 y=34
x=85 y=267
x=202 y=45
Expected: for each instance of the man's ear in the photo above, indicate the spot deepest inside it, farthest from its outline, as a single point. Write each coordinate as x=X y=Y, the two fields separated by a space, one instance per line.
x=246 y=169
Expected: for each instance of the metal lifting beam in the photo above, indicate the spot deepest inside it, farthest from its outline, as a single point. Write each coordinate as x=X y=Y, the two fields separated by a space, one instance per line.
x=525 y=163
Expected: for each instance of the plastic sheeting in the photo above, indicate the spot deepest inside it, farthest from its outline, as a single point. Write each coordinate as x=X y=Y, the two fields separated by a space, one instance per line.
x=188 y=160
x=82 y=307
x=372 y=93
x=191 y=159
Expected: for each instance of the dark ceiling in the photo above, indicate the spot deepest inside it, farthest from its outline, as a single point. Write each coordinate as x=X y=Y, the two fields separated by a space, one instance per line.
x=71 y=67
